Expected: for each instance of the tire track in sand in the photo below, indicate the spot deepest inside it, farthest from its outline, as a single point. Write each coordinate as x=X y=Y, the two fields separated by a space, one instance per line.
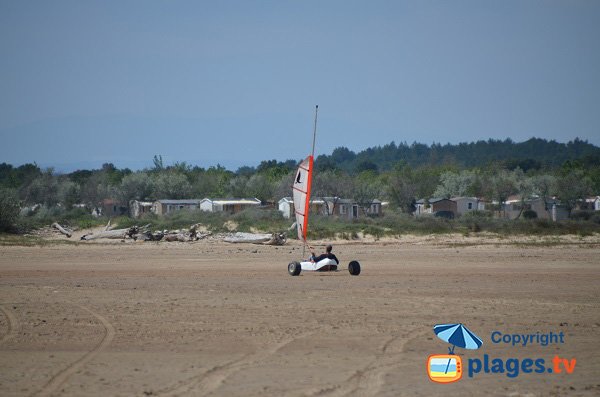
x=13 y=325
x=209 y=381
x=370 y=379
x=60 y=378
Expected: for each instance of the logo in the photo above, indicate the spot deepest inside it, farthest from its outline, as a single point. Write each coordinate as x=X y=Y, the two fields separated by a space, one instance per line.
x=444 y=368
x=448 y=368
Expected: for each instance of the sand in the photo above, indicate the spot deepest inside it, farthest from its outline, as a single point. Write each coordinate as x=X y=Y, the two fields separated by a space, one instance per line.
x=211 y=318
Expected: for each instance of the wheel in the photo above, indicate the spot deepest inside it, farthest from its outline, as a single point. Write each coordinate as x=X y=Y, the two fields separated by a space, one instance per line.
x=294 y=268
x=354 y=268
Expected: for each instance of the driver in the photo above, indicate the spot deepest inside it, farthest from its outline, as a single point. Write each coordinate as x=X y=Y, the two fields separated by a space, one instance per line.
x=327 y=254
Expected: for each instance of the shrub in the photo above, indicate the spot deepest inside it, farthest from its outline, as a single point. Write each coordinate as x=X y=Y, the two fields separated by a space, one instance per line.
x=530 y=214
x=9 y=209
x=268 y=220
x=582 y=215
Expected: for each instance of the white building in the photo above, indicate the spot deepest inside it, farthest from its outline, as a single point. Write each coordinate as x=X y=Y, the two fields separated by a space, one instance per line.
x=593 y=203
x=138 y=208
x=163 y=207
x=286 y=206
x=231 y=205
x=468 y=204
x=343 y=208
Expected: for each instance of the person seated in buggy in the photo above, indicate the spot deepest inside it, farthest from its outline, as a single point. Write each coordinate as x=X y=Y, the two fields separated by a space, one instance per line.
x=328 y=254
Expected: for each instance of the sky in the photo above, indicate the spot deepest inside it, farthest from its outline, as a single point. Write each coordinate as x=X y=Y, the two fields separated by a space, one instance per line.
x=233 y=83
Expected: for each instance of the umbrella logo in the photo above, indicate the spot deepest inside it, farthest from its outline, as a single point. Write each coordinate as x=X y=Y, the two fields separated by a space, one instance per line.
x=447 y=368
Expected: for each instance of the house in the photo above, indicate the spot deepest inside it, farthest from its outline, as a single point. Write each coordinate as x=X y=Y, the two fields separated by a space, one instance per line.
x=286 y=207
x=376 y=208
x=139 y=208
x=434 y=205
x=230 y=205
x=559 y=212
x=318 y=205
x=110 y=208
x=328 y=206
x=163 y=207
x=468 y=204
x=590 y=204
x=548 y=209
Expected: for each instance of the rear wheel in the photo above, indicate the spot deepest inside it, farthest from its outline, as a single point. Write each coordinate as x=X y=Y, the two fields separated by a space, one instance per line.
x=354 y=268
x=294 y=268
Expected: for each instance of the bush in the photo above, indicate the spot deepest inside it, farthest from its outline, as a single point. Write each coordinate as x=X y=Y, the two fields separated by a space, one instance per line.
x=9 y=209
x=581 y=215
x=530 y=214
x=267 y=220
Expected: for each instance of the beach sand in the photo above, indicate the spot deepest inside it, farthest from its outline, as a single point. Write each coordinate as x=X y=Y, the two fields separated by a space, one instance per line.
x=211 y=318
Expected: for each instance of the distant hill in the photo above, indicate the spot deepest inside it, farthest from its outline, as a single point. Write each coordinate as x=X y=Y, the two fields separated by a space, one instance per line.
x=533 y=153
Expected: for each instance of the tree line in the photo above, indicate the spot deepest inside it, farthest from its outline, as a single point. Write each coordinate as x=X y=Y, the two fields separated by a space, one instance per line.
x=385 y=176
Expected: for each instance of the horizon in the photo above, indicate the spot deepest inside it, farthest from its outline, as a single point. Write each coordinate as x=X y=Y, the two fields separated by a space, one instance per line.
x=235 y=83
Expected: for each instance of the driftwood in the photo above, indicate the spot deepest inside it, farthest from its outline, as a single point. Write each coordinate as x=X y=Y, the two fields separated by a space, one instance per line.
x=191 y=235
x=148 y=236
x=143 y=234
x=277 y=239
x=257 y=238
x=61 y=229
x=108 y=227
x=115 y=234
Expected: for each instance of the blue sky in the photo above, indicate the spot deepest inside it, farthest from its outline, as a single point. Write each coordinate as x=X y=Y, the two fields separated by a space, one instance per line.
x=235 y=82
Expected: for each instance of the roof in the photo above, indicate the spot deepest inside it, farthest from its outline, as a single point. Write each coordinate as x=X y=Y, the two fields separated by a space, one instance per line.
x=464 y=198
x=338 y=200
x=226 y=201
x=143 y=203
x=185 y=201
x=432 y=200
x=322 y=200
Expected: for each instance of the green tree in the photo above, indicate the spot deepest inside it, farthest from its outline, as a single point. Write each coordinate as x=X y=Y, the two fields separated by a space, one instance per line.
x=171 y=185
x=238 y=186
x=544 y=185
x=402 y=187
x=157 y=161
x=68 y=193
x=136 y=186
x=456 y=184
x=367 y=189
x=502 y=185
x=212 y=182
x=524 y=188
x=42 y=190
x=332 y=183
x=9 y=208
x=261 y=187
x=571 y=187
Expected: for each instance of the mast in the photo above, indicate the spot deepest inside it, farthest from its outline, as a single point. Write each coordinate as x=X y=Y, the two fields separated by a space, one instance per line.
x=315 y=131
x=312 y=155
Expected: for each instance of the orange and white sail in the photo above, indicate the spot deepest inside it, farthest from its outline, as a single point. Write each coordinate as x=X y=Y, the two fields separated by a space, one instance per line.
x=301 y=193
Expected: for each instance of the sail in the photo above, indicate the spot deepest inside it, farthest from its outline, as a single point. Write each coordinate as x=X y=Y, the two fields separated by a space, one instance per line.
x=301 y=192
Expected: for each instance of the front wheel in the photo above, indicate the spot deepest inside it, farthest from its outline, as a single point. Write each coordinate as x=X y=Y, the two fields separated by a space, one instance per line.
x=294 y=268
x=354 y=268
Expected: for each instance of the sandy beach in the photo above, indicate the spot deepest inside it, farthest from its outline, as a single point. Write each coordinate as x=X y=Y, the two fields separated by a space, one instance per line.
x=211 y=318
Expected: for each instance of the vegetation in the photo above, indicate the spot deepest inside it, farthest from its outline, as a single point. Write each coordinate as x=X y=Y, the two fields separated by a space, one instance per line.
x=397 y=173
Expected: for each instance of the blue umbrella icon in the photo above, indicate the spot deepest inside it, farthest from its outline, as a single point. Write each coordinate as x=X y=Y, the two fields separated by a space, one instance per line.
x=457 y=335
